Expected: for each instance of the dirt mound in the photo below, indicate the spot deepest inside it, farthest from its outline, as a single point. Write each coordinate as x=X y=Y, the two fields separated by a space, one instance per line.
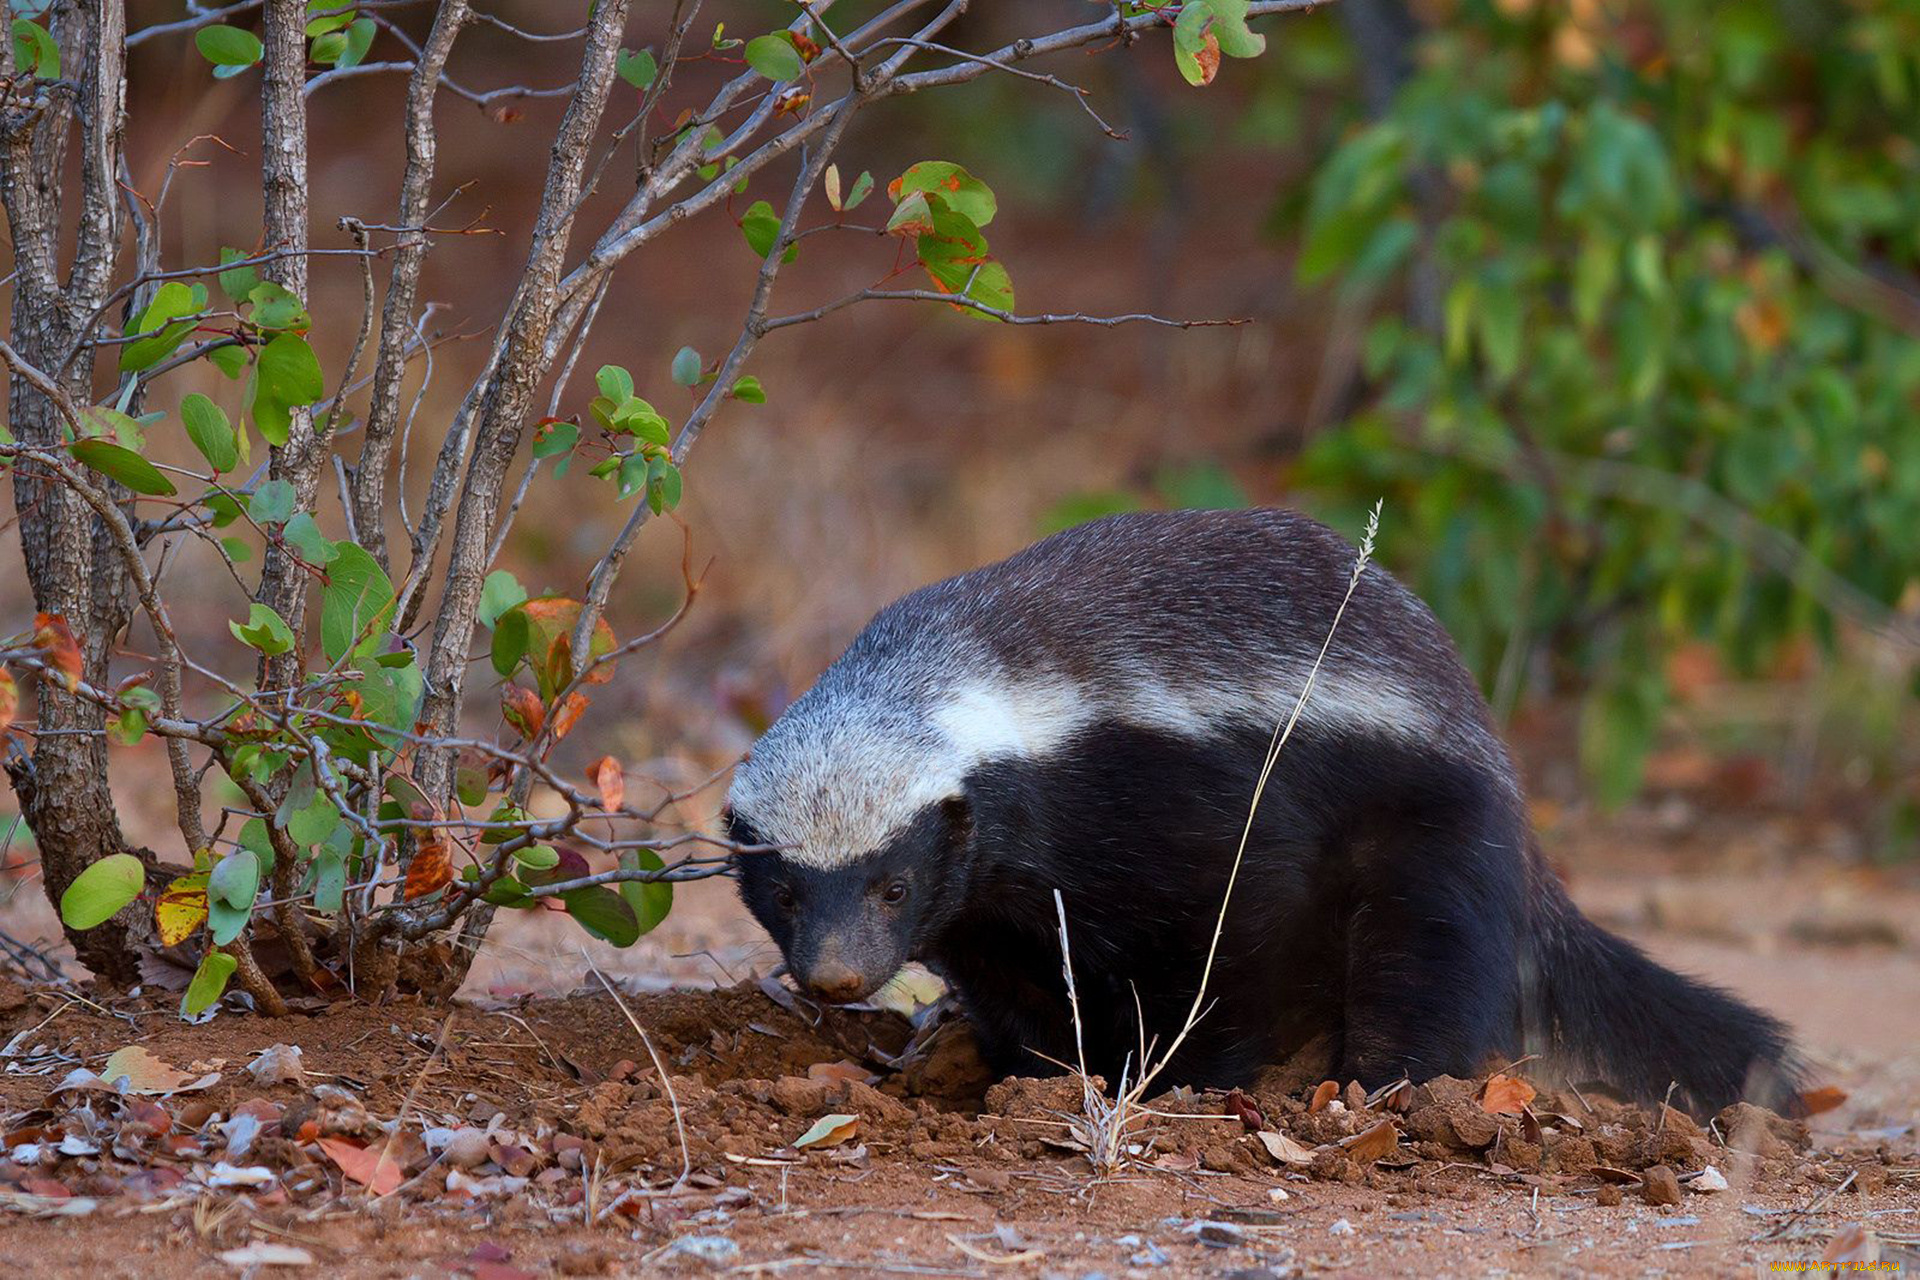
x=774 y=1121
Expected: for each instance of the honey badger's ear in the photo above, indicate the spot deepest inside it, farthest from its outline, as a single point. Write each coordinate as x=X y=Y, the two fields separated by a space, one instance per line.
x=957 y=811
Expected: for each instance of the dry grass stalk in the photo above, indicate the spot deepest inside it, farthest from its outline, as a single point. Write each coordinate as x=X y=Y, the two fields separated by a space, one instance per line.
x=1107 y=1121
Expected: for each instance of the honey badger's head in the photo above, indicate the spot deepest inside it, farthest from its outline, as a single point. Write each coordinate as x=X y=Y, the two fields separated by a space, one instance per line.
x=863 y=803
x=846 y=926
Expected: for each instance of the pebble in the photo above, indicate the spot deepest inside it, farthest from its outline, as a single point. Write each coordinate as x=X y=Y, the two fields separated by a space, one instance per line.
x=1661 y=1186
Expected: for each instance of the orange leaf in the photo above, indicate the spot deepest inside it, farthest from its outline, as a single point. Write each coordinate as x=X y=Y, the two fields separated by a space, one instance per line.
x=9 y=701
x=1326 y=1093
x=377 y=1171
x=611 y=780
x=54 y=639
x=1505 y=1095
x=523 y=711
x=1825 y=1098
x=569 y=714
x=431 y=868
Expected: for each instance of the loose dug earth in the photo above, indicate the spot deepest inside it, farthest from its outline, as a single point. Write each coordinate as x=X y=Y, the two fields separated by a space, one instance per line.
x=536 y=1138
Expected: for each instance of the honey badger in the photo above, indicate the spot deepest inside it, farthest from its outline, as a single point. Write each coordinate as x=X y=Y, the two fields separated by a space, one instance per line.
x=1091 y=715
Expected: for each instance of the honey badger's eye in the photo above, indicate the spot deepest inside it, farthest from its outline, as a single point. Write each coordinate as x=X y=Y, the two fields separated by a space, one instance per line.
x=783 y=897
x=896 y=892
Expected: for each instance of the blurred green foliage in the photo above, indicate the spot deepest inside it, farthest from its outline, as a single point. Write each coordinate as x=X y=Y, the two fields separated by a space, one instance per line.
x=1641 y=282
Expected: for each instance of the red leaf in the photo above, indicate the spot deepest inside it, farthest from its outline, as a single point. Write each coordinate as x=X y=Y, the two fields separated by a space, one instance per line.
x=54 y=639
x=569 y=714
x=431 y=868
x=611 y=781
x=1825 y=1098
x=377 y=1171
x=523 y=711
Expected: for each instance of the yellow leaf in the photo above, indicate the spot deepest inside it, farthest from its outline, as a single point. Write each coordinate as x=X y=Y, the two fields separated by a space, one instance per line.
x=181 y=909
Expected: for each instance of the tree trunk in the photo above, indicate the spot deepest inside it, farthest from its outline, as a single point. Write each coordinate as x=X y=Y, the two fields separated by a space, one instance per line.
x=72 y=568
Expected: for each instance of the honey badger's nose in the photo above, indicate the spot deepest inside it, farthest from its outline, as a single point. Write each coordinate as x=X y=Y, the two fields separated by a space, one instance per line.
x=832 y=980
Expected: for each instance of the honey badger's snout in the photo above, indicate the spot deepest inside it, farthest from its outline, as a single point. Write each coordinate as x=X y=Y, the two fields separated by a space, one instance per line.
x=833 y=979
x=844 y=961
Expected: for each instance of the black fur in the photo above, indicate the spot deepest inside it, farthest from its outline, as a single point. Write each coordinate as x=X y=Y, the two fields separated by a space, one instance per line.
x=1391 y=899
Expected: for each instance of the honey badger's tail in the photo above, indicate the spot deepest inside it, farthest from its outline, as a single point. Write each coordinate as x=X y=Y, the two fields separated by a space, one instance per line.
x=1598 y=1008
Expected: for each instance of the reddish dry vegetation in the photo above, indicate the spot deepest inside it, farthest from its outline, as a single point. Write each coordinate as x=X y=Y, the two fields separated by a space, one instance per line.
x=537 y=1138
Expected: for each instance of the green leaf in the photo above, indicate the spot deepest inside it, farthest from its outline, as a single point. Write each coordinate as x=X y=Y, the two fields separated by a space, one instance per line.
x=499 y=593
x=276 y=308
x=862 y=188
x=230 y=360
x=265 y=630
x=357 y=604
x=749 y=390
x=604 y=914
x=537 y=857
x=34 y=50
x=120 y=463
x=313 y=823
x=226 y=46
x=359 y=39
x=1191 y=37
x=775 y=58
x=636 y=68
x=235 y=879
x=1231 y=30
x=329 y=878
x=761 y=226
x=286 y=377
x=512 y=636
x=327 y=22
x=651 y=900
x=161 y=324
x=663 y=485
x=557 y=436
x=211 y=433
x=271 y=503
x=209 y=981
x=305 y=537
x=329 y=48
x=956 y=188
x=615 y=383
x=686 y=367
x=237 y=282
x=101 y=890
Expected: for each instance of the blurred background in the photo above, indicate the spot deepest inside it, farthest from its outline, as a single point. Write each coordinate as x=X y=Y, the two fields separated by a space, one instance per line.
x=1617 y=306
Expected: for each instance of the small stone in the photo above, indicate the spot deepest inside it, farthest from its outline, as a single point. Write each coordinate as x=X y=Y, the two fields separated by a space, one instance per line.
x=1341 y=1228
x=1661 y=1186
x=1608 y=1196
x=1709 y=1181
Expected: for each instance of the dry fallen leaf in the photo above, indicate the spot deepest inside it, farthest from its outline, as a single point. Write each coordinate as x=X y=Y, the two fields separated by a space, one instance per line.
x=828 y=1131
x=277 y=1064
x=1284 y=1149
x=1372 y=1144
x=262 y=1253
x=1505 y=1095
x=373 y=1168
x=145 y=1073
x=1326 y=1093
x=839 y=1072
x=1852 y=1243
x=1825 y=1098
